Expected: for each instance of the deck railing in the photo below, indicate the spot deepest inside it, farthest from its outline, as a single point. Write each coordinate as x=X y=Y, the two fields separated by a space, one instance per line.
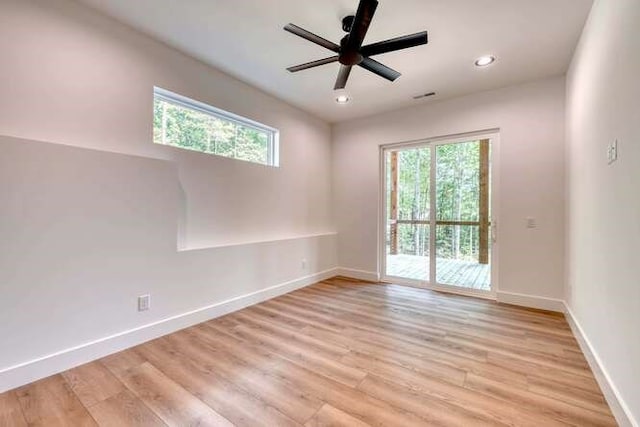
x=483 y=257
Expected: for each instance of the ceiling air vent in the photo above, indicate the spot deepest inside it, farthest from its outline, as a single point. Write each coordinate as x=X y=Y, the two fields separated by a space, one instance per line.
x=424 y=95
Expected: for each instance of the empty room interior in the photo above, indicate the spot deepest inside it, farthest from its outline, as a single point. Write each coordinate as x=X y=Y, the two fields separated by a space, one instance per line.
x=301 y=213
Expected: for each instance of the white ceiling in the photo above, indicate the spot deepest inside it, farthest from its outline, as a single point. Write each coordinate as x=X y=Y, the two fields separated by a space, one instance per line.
x=531 y=38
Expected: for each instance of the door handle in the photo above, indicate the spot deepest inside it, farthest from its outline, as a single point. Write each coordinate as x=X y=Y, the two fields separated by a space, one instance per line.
x=494 y=231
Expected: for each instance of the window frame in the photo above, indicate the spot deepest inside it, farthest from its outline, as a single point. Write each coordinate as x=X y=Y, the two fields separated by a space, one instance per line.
x=273 y=134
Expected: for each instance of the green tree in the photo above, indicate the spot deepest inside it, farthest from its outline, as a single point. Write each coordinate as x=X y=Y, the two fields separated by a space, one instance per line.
x=457 y=199
x=195 y=130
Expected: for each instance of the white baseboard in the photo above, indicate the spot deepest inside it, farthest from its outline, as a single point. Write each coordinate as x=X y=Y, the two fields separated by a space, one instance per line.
x=27 y=372
x=531 y=301
x=370 y=276
x=619 y=408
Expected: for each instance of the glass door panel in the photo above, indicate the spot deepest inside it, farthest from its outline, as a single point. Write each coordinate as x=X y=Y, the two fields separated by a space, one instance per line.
x=463 y=215
x=408 y=204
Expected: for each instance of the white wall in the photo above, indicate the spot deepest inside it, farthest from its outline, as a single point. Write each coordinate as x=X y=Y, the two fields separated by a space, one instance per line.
x=71 y=76
x=603 y=232
x=531 y=123
x=84 y=232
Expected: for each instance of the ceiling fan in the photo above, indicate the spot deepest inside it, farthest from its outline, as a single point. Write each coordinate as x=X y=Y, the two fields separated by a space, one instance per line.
x=350 y=52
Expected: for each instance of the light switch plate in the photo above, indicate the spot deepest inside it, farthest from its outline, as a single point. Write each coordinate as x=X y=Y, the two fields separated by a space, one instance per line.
x=144 y=302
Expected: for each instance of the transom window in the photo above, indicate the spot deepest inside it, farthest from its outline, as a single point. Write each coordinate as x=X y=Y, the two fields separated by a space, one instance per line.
x=185 y=123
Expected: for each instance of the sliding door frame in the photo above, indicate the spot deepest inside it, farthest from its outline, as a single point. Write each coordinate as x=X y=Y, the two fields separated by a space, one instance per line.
x=494 y=136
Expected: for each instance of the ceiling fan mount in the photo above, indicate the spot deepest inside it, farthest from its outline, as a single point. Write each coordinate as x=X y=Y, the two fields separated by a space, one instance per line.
x=347 y=23
x=350 y=51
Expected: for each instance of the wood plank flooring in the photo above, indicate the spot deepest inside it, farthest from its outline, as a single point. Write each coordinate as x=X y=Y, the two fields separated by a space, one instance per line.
x=338 y=353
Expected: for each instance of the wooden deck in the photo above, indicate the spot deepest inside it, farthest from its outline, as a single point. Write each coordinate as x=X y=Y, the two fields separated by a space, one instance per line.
x=465 y=274
x=339 y=353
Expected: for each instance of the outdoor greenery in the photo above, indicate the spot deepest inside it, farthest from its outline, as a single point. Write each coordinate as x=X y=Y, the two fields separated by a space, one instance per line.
x=182 y=127
x=457 y=199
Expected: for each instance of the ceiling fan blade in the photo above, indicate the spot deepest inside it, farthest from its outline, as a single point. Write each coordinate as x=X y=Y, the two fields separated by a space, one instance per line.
x=361 y=23
x=379 y=69
x=301 y=32
x=397 y=43
x=312 y=64
x=343 y=76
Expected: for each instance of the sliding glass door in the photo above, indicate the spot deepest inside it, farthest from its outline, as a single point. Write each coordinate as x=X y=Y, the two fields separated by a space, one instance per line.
x=437 y=206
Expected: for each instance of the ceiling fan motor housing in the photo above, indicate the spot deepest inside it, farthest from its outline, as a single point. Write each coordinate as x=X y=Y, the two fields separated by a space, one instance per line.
x=348 y=56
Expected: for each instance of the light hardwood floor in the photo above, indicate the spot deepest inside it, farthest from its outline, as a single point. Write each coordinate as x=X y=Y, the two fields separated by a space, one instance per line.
x=341 y=352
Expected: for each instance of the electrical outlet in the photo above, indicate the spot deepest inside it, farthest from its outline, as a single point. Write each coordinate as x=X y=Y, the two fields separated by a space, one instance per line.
x=531 y=222
x=303 y=263
x=144 y=302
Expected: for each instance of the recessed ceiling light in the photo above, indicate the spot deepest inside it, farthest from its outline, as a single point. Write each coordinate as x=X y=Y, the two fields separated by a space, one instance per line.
x=342 y=99
x=483 y=61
